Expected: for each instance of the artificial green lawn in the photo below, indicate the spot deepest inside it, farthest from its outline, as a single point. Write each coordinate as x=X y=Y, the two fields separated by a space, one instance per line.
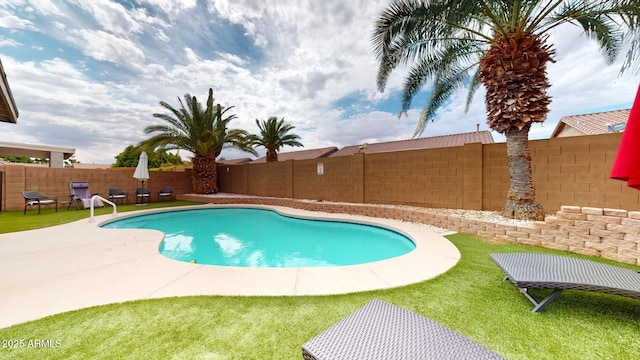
x=470 y=298
x=11 y=221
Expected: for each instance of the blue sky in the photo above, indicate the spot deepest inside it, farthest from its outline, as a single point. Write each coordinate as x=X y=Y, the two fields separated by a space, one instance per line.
x=90 y=74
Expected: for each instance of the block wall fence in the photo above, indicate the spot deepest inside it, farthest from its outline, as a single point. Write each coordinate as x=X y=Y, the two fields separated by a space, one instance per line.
x=570 y=171
x=55 y=181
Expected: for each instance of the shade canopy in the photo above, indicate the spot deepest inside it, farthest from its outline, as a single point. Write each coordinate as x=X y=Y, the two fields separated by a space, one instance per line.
x=627 y=164
x=142 y=170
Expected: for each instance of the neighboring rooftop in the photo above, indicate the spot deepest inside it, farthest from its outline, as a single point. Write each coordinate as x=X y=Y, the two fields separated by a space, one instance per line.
x=592 y=124
x=234 y=161
x=91 y=166
x=433 y=142
x=8 y=109
x=301 y=155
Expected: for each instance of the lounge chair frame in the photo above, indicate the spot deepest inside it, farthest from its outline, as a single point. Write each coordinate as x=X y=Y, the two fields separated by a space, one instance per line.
x=79 y=193
x=32 y=198
x=558 y=273
x=383 y=331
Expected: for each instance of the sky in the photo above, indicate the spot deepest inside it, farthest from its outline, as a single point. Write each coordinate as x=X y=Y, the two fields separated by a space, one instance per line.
x=89 y=75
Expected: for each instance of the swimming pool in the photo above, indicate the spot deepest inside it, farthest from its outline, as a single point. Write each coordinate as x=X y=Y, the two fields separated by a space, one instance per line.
x=250 y=237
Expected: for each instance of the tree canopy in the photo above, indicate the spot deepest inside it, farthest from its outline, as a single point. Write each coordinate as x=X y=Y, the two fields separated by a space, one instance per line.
x=274 y=135
x=157 y=158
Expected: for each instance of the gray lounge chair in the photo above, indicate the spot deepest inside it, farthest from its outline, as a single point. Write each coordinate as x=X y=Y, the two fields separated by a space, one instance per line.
x=79 y=194
x=380 y=330
x=166 y=191
x=541 y=271
x=118 y=194
x=32 y=198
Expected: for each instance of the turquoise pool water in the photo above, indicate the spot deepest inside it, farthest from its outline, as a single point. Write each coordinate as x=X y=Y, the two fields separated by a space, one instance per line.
x=263 y=238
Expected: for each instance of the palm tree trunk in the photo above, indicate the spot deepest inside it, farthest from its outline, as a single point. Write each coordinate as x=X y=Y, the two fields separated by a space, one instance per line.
x=272 y=155
x=205 y=174
x=521 y=199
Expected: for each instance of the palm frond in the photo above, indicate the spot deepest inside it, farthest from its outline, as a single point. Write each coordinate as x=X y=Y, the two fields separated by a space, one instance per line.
x=437 y=38
x=274 y=134
x=446 y=84
x=202 y=130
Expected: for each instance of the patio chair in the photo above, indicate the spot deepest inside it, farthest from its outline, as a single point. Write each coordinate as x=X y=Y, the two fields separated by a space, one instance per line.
x=380 y=330
x=79 y=194
x=558 y=273
x=142 y=194
x=166 y=191
x=118 y=194
x=33 y=198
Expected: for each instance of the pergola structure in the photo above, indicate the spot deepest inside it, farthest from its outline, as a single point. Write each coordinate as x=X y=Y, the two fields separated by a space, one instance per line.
x=55 y=154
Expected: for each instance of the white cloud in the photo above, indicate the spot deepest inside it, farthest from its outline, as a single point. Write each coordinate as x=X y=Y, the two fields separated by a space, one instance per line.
x=60 y=106
x=15 y=22
x=44 y=7
x=112 y=17
x=307 y=55
x=8 y=42
x=171 y=7
x=107 y=47
x=162 y=36
x=191 y=56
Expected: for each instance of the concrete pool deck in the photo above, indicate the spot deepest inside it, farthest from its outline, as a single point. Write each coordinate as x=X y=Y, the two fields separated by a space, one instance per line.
x=78 y=265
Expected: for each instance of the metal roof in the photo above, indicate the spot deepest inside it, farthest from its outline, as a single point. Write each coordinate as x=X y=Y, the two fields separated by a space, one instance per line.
x=301 y=155
x=483 y=137
x=234 y=161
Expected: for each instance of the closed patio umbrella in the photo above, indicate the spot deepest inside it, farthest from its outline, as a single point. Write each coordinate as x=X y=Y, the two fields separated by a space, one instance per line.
x=142 y=172
x=626 y=167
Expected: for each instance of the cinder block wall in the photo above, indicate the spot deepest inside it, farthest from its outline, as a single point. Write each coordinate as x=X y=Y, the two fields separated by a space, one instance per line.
x=575 y=171
x=566 y=171
x=431 y=178
x=274 y=179
x=51 y=181
x=572 y=171
x=337 y=182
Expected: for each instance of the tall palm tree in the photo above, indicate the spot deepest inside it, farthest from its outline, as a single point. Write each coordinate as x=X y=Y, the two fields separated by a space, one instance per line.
x=273 y=136
x=503 y=45
x=201 y=130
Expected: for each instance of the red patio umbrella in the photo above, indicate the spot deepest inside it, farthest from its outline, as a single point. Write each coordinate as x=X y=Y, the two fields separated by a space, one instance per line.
x=627 y=164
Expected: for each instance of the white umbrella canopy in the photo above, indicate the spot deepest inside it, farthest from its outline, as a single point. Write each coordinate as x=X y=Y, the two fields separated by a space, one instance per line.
x=142 y=170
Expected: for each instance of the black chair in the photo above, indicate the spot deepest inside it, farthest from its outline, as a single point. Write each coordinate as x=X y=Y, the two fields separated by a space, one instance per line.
x=166 y=191
x=118 y=194
x=142 y=194
x=32 y=198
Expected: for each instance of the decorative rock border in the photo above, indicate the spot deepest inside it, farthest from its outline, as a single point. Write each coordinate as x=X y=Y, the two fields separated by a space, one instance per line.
x=608 y=233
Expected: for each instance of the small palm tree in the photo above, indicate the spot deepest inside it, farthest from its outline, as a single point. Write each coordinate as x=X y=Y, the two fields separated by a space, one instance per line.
x=201 y=130
x=503 y=45
x=273 y=136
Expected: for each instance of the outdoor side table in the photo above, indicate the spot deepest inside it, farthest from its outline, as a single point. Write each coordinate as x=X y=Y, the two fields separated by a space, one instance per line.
x=380 y=330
